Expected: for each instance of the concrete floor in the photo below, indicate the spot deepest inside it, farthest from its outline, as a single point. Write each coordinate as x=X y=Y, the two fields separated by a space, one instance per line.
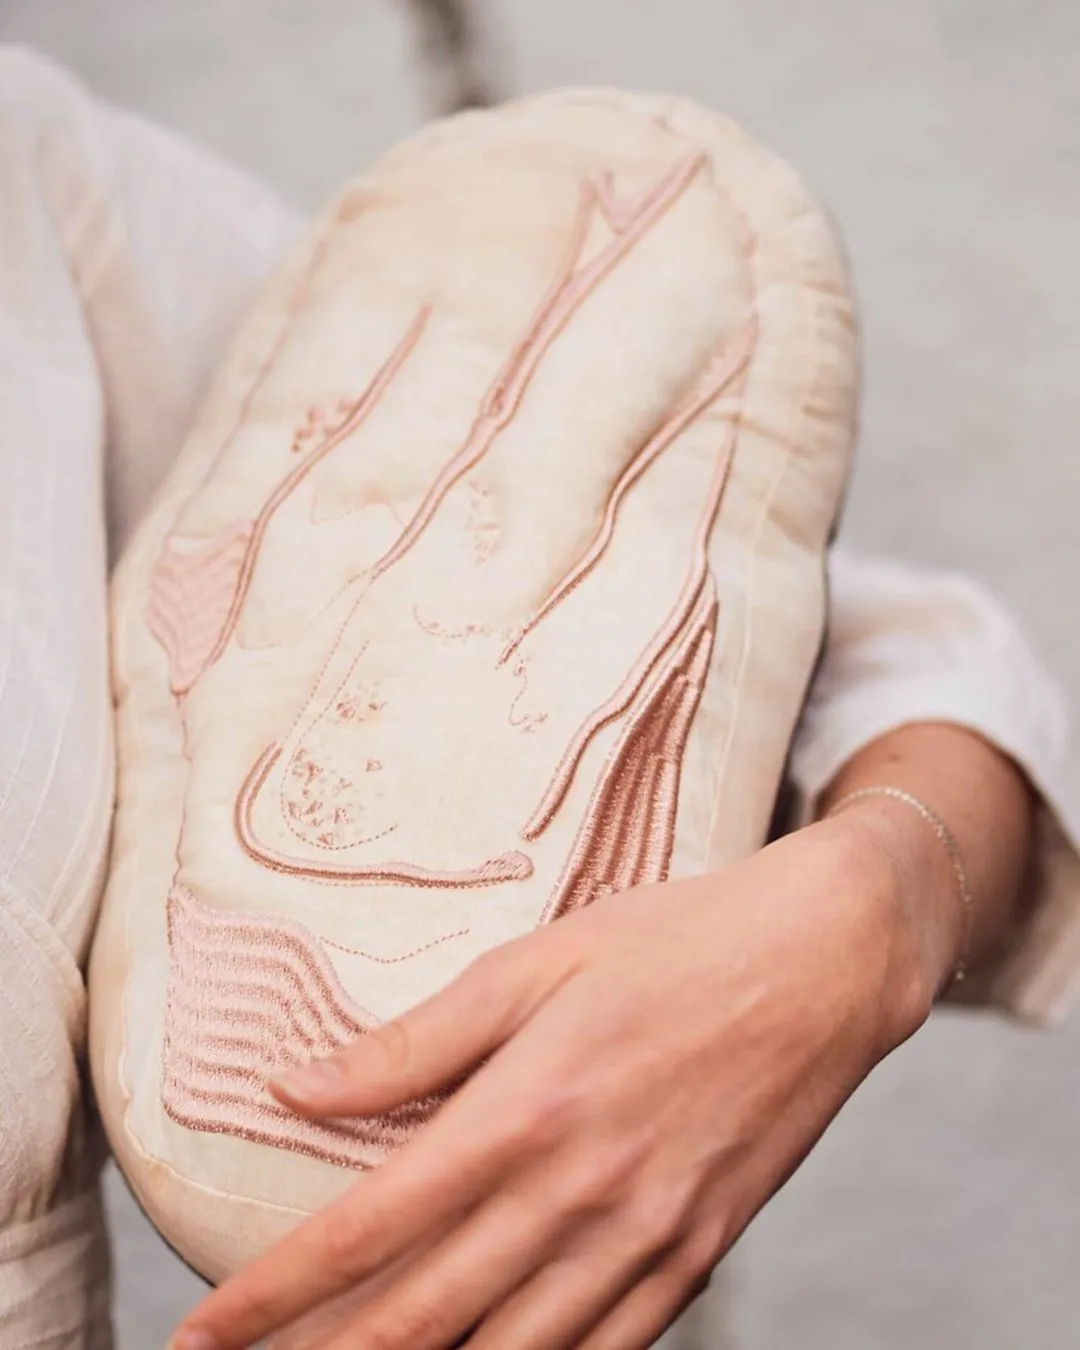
x=943 y=1210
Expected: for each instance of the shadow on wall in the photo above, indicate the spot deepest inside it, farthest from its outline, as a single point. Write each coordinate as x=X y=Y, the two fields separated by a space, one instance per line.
x=455 y=54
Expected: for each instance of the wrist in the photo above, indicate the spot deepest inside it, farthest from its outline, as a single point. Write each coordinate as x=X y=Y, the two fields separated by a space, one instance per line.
x=905 y=878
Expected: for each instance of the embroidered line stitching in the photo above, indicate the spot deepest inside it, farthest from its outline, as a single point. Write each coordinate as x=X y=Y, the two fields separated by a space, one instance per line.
x=256 y=531
x=247 y=996
x=628 y=830
x=676 y=619
x=271 y=1001
x=405 y=956
x=190 y=596
x=566 y=294
x=513 y=866
x=718 y=376
x=571 y=288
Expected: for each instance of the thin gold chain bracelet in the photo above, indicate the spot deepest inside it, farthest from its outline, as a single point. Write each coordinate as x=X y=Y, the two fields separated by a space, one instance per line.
x=952 y=848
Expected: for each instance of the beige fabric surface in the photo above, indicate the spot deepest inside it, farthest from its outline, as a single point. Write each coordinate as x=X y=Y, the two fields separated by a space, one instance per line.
x=127 y=258
x=504 y=525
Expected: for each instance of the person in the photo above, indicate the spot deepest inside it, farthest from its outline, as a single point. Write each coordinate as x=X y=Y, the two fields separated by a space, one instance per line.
x=654 y=1071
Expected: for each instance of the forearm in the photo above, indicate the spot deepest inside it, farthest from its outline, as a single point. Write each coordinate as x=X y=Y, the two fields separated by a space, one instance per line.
x=985 y=802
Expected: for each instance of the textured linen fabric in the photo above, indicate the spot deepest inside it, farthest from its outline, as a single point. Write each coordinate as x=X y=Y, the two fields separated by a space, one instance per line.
x=126 y=259
x=911 y=644
x=123 y=259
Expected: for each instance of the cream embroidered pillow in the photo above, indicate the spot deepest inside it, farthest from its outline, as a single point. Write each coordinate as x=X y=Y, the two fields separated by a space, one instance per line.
x=490 y=580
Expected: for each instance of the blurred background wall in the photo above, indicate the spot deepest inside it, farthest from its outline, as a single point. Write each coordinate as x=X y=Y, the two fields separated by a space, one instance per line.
x=943 y=1210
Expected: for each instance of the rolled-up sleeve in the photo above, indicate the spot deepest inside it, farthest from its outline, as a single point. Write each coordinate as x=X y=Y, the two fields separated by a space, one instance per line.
x=909 y=644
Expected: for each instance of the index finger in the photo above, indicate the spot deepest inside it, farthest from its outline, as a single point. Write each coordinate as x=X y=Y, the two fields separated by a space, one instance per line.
x=441 y=1174
x=431 y=1180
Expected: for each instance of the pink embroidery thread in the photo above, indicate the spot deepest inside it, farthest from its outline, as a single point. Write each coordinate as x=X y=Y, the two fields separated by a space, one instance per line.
x=315 y=820
x=300 y=809
x=676 y=619
x=513 y=866
x=620 y=215
x=247 y=998
x=570 y=289
x=483 y=524
x=405 y=956
x=528 y=721
x=433 y=628
x=717 y=377
x=190 y=598
x=628 y=830
x=170 y=599
x=573 y=284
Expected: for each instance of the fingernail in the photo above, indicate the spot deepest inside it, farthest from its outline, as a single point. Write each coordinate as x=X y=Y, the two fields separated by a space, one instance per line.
x=310 y=1081
x=195 y=1339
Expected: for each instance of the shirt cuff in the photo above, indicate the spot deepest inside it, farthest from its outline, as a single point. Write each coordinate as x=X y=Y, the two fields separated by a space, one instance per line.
x=1036 y=974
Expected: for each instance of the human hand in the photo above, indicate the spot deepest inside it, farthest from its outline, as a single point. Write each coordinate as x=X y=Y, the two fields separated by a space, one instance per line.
x=652 y=1069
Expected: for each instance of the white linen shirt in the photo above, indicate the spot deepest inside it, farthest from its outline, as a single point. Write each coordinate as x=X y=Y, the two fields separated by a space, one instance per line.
x=126 y=257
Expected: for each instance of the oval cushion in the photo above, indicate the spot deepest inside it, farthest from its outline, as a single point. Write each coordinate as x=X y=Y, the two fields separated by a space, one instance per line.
x=490 y=580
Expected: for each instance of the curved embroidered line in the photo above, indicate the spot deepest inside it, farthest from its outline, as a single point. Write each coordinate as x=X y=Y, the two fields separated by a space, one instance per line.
x=568 y=291
x=280 y=1013
x=358 y=1131
x=405 y=956
x=270 y=961
x=241 y=578
x=364 y=404
x=336 y=848
x=654 y=834
x=526 y=721
x=613 y=831
x=247 y=1113
x=335 y=647
x=202 y=1110
x=720 y=373
x=190 y=595
x=356 y=843
x=314 y=423
x=628 y=830
x=513 y=866
x=236 y=986
x=289 y=980
x=274 y=945
x=632 y=790
x=434 y=629
x=628 y=690
x=310 y=620
x=621 y=215
x=157 y=620
x=564 y=298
